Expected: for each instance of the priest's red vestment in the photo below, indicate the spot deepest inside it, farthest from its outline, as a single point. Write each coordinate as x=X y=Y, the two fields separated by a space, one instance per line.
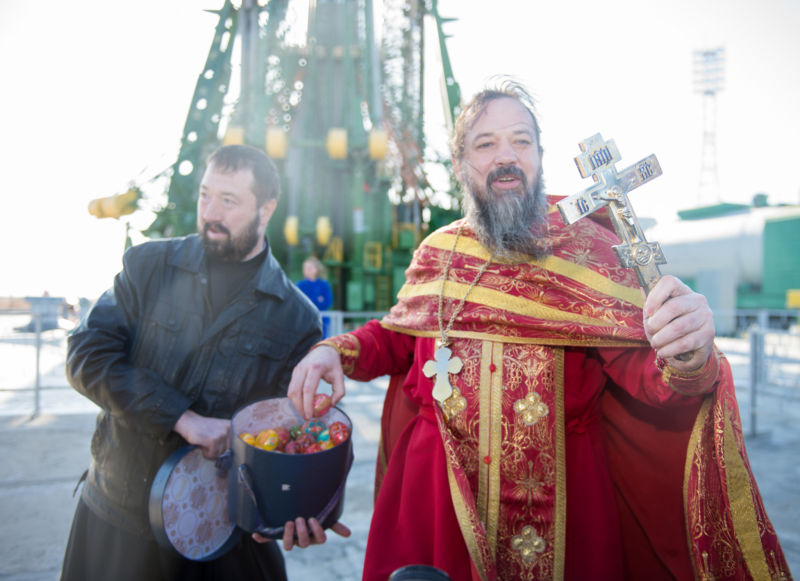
x=567 y=450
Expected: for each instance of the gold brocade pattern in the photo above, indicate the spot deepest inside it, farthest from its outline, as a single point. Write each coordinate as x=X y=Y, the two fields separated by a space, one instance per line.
x=515 y=460
x=348 y=348
x=509 y=337
x=491 y=424
x=548 y=302
x=581 y=264
x=746 y=521
x=726 y=535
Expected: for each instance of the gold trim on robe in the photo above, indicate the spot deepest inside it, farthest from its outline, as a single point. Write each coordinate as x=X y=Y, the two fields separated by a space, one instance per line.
x=510 y=333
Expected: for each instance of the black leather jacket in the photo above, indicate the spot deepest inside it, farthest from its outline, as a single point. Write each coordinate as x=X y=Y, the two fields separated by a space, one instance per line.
x=148 y=350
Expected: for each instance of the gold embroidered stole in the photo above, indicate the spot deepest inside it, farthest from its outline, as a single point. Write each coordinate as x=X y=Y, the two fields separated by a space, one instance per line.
x=514 y=418
x=729 y=533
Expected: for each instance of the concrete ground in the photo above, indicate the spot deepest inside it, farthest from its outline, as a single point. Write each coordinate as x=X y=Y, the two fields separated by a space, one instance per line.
x=43 y=457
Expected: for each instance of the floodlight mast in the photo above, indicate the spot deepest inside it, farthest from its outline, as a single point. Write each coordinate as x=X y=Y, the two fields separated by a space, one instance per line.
x=709 y=78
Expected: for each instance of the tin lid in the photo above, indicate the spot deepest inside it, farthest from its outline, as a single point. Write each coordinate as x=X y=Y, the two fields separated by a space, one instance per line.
x=189 y=506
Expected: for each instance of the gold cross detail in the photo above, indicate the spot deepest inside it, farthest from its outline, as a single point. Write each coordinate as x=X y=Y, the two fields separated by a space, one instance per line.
x=531 y=408
x=528 y=543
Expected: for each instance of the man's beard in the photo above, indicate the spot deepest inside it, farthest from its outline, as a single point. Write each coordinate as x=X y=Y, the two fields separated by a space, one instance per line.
x=508 y=223
x=231 y=249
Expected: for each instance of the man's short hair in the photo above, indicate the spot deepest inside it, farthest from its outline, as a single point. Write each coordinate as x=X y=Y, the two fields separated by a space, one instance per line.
x=502 y=87
x=231 y=158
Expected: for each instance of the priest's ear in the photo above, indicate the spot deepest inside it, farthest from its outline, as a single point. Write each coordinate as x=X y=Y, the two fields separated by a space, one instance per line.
x=456 y=167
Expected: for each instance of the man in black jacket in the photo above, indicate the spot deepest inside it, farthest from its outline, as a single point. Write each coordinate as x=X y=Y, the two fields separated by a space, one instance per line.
x=193 y=329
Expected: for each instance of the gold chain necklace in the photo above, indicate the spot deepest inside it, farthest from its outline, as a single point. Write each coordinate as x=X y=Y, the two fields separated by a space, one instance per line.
x=442 y=363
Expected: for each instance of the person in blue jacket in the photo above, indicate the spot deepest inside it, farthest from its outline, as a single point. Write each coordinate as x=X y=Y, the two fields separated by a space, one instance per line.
x=316 y=288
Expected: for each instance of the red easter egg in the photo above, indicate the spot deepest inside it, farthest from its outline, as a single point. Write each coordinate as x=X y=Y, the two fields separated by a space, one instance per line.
x=338 y=432
x=303 y=441
x=315 y=447
x=322 y=403
x=283 y=435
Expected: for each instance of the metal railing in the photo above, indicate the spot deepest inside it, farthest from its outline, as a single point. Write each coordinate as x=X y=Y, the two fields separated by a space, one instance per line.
x=26 y=345
x=25 y=349
x=774 y=386
x=765 y=362
x=343 y=321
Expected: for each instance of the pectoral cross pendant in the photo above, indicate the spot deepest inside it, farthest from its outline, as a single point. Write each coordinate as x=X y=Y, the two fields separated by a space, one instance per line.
x=442 y=364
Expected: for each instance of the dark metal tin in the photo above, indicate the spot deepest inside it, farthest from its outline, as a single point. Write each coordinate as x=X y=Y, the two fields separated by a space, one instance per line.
x=266 y=489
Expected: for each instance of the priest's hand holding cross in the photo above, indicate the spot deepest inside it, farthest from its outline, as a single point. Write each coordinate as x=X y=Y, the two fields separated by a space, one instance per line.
x=678 y=322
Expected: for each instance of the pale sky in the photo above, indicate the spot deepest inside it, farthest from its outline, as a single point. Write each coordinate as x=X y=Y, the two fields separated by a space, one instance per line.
x=96 y=92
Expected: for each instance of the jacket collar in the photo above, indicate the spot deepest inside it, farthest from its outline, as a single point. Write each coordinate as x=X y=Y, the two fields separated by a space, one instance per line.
x=189 y=254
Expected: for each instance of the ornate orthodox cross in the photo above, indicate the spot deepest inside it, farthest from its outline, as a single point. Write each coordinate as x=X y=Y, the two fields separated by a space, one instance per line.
x=441 y=367
x=611 y=189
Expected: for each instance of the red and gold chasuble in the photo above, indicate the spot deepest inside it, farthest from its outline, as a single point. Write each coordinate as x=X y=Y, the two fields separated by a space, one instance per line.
x=503 y=428
x=508 y=399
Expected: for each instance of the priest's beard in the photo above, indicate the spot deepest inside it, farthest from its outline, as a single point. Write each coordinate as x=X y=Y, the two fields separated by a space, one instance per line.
x=508 y=223
x=233 y=248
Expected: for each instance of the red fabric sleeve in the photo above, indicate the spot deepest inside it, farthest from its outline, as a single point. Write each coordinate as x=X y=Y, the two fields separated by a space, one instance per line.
x=647 y=429
x=638 y=372
x=381 y=352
